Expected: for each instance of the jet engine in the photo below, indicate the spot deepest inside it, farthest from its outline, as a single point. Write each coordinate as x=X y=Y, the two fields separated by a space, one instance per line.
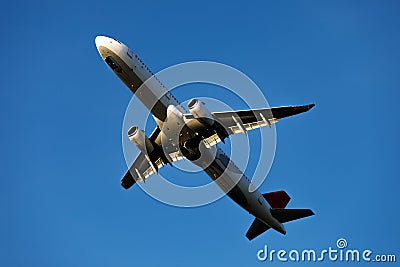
x=139 y=138
x=198 y=109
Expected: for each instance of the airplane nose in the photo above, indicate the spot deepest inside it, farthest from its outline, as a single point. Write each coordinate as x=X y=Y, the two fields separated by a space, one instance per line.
x=100 y=41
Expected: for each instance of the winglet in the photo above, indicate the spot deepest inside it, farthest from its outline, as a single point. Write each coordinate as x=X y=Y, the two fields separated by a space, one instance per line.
x=127 y=181
x=310 y=106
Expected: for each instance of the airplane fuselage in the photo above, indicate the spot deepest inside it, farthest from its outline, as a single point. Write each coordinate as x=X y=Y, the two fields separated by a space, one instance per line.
x=175 y=133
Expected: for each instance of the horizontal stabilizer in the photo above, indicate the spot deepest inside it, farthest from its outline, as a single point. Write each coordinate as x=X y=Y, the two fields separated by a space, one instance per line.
x=278 y=199
x=256 y=229
x=287 y=215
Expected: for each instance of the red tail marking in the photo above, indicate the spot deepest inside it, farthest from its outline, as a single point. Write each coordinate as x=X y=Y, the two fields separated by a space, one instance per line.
x=278 y=199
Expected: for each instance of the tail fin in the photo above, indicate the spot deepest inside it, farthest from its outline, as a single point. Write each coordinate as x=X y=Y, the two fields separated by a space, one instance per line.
x=287 y=215
x=256 y=229
x=278 y=199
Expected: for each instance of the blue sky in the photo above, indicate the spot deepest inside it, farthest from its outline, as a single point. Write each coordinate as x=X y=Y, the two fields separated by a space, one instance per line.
x=62 y=112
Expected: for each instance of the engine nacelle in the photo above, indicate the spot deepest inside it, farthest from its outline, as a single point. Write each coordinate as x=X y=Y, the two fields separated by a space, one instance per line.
x=198 y=109
x=139 y=138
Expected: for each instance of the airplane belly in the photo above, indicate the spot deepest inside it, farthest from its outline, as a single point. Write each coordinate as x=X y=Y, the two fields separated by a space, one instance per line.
x=236 y=185
x=171 y=128
x=152 y=94
x=229 y=178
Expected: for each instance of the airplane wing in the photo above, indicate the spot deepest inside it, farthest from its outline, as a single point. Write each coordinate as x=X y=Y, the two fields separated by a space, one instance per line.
x=140 y=169
x=242 y=121
x=144 y=165
x=233 y=121
x=245 y=120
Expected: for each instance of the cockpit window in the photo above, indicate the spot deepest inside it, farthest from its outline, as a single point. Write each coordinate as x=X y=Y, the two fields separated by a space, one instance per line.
x=113 y=64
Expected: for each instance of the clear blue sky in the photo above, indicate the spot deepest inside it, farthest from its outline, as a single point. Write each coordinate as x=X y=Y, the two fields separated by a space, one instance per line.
x=62 y=109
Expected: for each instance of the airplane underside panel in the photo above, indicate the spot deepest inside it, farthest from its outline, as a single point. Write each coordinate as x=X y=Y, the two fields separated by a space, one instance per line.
x=157 y=104
x=226 y=182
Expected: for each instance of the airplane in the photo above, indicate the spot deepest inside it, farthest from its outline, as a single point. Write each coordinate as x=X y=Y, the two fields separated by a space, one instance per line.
x=197 y=139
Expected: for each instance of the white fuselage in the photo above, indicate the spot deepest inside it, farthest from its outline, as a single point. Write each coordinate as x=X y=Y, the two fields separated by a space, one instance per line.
x=167 y=113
